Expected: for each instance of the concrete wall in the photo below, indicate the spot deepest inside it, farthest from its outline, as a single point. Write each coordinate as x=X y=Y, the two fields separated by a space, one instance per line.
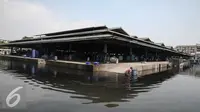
x=70 y=64
x=21 y=58
x=142 y=68
x=39 y=61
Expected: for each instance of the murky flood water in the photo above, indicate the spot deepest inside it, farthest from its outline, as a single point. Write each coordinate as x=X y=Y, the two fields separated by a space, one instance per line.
x=52 y=89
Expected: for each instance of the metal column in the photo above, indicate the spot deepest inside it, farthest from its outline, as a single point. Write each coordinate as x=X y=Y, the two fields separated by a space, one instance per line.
x=105 y=50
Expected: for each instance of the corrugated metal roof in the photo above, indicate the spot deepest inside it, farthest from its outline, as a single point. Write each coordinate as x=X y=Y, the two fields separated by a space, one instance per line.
x=161 y=44
x=69 y=35
x=91 y=33
x=119 y=30
x=170 y=47
x=145 y=39
x=59 y=40
x=76 y=30
x=134 y=36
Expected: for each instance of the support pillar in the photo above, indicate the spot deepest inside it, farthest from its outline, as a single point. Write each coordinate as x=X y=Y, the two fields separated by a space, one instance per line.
x=70 y=47
x=131 y=53
x=156 y=56
x=70 y=50
x=47 y=51
x=146 y=54
x=105 y=50
x=11 y=50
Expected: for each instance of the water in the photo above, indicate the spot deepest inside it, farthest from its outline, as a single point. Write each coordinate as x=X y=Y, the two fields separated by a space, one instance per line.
x=52 y=89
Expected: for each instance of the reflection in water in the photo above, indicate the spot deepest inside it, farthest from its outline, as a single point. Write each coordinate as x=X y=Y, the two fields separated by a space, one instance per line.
x=111 y=105
x=193 y=71
x=95 y=87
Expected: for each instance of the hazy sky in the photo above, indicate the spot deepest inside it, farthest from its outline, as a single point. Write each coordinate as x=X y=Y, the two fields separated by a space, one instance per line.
x=173 y=22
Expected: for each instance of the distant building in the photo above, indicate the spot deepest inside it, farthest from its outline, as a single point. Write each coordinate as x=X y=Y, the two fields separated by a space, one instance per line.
x=190 y=49
x=198 y=47
x=193 y=50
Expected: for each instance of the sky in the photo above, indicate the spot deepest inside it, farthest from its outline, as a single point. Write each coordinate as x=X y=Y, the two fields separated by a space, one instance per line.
x=172 y=22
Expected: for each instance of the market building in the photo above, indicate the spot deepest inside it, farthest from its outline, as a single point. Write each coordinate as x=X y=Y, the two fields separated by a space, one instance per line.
x=93 y=44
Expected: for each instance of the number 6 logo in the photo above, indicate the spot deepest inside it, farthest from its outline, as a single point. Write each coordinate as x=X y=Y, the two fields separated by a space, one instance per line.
x=11 y=95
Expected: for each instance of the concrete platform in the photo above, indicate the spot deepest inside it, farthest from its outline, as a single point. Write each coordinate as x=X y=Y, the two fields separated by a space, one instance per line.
x=146 y=68
x=142 y=68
